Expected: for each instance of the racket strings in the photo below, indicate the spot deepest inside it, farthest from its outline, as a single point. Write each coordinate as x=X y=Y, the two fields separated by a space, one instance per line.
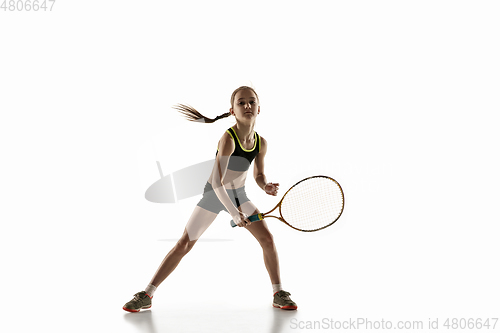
x=313 y=204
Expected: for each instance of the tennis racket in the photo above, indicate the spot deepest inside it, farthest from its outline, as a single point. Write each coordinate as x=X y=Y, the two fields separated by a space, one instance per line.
x=312 y=204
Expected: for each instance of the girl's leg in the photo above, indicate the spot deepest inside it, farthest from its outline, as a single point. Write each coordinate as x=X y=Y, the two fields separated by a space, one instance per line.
x=281 y=298
x=199 y=221
x=260 y=231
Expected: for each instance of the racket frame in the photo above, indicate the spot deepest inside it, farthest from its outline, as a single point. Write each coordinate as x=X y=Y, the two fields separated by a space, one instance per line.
x=261 y=216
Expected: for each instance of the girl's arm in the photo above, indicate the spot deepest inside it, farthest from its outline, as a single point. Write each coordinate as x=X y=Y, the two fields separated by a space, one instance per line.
x=258 y=171
x=226 y=148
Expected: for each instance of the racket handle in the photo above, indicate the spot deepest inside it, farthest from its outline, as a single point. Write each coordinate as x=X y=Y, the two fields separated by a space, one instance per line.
x=251 y=218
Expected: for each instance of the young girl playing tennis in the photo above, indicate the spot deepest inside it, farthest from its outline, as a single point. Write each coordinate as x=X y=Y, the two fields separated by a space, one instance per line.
x=225 y=190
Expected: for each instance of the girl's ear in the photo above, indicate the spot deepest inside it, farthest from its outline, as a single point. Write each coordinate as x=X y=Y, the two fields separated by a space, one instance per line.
x=231 y=111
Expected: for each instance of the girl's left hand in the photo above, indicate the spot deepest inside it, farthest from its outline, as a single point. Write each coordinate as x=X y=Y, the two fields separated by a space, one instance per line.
x=272 y=188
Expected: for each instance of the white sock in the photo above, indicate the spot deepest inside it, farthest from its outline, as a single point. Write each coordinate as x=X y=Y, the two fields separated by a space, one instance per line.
x=150 y=290
x=276 y=288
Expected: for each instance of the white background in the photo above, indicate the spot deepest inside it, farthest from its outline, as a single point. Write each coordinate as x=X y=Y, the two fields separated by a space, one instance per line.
x=397 y=100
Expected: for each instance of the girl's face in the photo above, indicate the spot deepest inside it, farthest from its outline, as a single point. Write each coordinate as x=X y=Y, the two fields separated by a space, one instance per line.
x=245 y=106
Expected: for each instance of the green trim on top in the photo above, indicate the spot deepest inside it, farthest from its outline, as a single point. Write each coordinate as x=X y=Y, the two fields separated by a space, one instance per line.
x=231 y=134
x=246 y=150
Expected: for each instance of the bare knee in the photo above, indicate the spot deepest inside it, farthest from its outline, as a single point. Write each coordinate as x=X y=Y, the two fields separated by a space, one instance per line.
x=267 y=241
x=183 y=246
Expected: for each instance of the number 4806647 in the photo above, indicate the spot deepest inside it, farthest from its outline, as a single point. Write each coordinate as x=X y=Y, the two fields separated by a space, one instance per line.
x=27 y=5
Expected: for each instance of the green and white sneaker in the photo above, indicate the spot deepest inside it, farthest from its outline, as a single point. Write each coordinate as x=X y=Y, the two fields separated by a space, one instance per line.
x=140 y=301
x=282 y=300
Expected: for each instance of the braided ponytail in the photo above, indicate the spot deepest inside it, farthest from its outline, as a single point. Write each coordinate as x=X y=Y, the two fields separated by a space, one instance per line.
x=193 y=115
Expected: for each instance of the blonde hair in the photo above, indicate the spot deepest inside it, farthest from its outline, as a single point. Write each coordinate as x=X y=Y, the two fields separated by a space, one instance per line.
x=193 y=115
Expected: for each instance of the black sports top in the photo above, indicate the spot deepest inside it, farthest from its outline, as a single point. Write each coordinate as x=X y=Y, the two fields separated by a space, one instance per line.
x=241 y=158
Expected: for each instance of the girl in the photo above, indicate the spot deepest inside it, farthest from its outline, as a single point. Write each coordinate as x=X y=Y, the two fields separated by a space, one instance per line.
x=225 y=190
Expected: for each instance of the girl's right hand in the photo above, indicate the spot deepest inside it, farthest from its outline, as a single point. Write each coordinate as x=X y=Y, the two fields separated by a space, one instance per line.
x=241 y=220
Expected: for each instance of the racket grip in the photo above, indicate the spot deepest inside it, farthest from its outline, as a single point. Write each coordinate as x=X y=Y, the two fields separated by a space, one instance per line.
x=251 y=218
